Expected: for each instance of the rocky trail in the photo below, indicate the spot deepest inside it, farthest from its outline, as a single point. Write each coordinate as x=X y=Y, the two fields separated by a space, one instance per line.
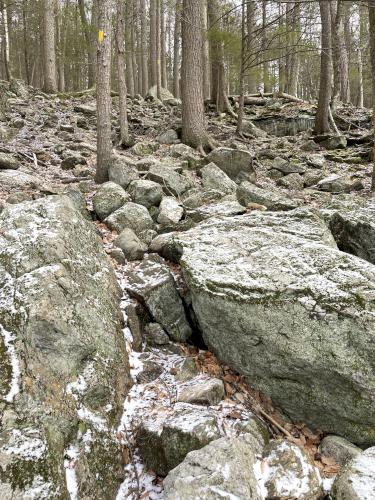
x=197 y=327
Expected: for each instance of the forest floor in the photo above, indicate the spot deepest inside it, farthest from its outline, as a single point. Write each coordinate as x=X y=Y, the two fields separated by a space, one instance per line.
x=54 y=140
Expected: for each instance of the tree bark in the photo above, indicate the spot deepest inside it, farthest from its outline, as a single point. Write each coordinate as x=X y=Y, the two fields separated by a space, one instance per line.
x=153 y=44
x=205 y=53
x=144 y=47
x=322 y=113
x=163 y=51
x=88 y=40
x=241 y=100
x=50 y=80
x=193 y=124
x=176 y=50
x=120 y=39
x=265 y=65
x=103 y=91
x=25 y=43
x=371 y=15
x=129 y=48
x=251 y=41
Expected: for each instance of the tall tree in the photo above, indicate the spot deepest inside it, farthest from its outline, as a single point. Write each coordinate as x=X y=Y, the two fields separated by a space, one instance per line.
x=250 y=42
x=103 y=90
x=120 y=42
x=129 y=48
x=88 y=39
x=6 y=39
x=176 y=50
x=153 y=44
x=144 y=47
x=193 y=123
x=322 y=114
x=371 y=15
x=50 y=80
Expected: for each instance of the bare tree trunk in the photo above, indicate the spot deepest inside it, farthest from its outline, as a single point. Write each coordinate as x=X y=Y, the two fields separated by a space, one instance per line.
x=103 y=91
x=88 y=39
x=206 y=53
x=50 y=81
x=251 y=39
x=241 y=101
x=294 y=60
x=144 y=47
x=322 y=113
x=120 y=39
x=138 y=37
x=158 y=65
x=193 y=124
x=218 y=79
x=8 y=67
x=361 y=45
x=371 y=15
x=176 y=50
x=153 y=44
x=25 y=43
x=131 y=27
x=163 y=51
x=129 y=48
x=265 y=66
x=341 y=89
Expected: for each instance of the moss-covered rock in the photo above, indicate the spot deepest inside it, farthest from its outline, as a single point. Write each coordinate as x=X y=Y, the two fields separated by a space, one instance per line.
x=62 y=351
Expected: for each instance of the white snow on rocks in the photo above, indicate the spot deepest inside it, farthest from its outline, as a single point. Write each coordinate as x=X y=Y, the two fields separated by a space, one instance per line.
x=9 y=340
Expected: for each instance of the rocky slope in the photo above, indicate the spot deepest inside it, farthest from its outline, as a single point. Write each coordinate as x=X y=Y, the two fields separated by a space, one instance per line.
x=261 y=252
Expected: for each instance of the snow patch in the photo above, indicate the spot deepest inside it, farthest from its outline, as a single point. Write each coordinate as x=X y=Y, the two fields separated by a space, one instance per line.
x=9 y=340
x=70 y=461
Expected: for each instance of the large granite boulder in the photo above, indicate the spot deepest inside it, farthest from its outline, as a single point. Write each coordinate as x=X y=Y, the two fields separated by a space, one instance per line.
x=130 y=215
x=276 y=300
x=214 y=177
x=222 y=469
x=233 y=162
x=62 y=355
x=171 y=181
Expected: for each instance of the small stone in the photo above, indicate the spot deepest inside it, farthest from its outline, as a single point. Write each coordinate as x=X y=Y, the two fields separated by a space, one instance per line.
x=8 y=161
x=146 y=193
x=155 y=334
x=71 y=161
x=214 y=178
x=291 y=181
x=121 y=172
x=130 y=244
x=170 y=212
x=187 y=370
x=118 y=255
x=287 y=167
x=339 y=448
x=145 y=148
x=168 y=137
x=130 y=215
x=202 y=391
x=249 y=193
x=233 y=161
x=108 y=198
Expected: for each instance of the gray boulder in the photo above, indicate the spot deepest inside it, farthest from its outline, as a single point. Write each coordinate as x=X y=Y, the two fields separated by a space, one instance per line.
x=354 y=231
x=108 y=198
x=338 y=448
x=168 y=137
x=152 y=283
x=166 y=247
x=248 y=193
x=132 y=216
x=8 y=161
x=72 y=160
x=130 y=244
x=227 y=207
x=233 y=161
x=14 y=179
x=289 y=330
x=145 y=148
x=164 y=443
x=290 y=473
x=146 y=193
x=291 y=181
x=340 y=184
x=121 y=172
x=214 y=178
x=170 y=212
x=222 y=469
x=64 y=364
x=287 y=167
x=356 y=480
x=196 y=197
x=155 y=335
x=171 y=181
x=202 y=390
